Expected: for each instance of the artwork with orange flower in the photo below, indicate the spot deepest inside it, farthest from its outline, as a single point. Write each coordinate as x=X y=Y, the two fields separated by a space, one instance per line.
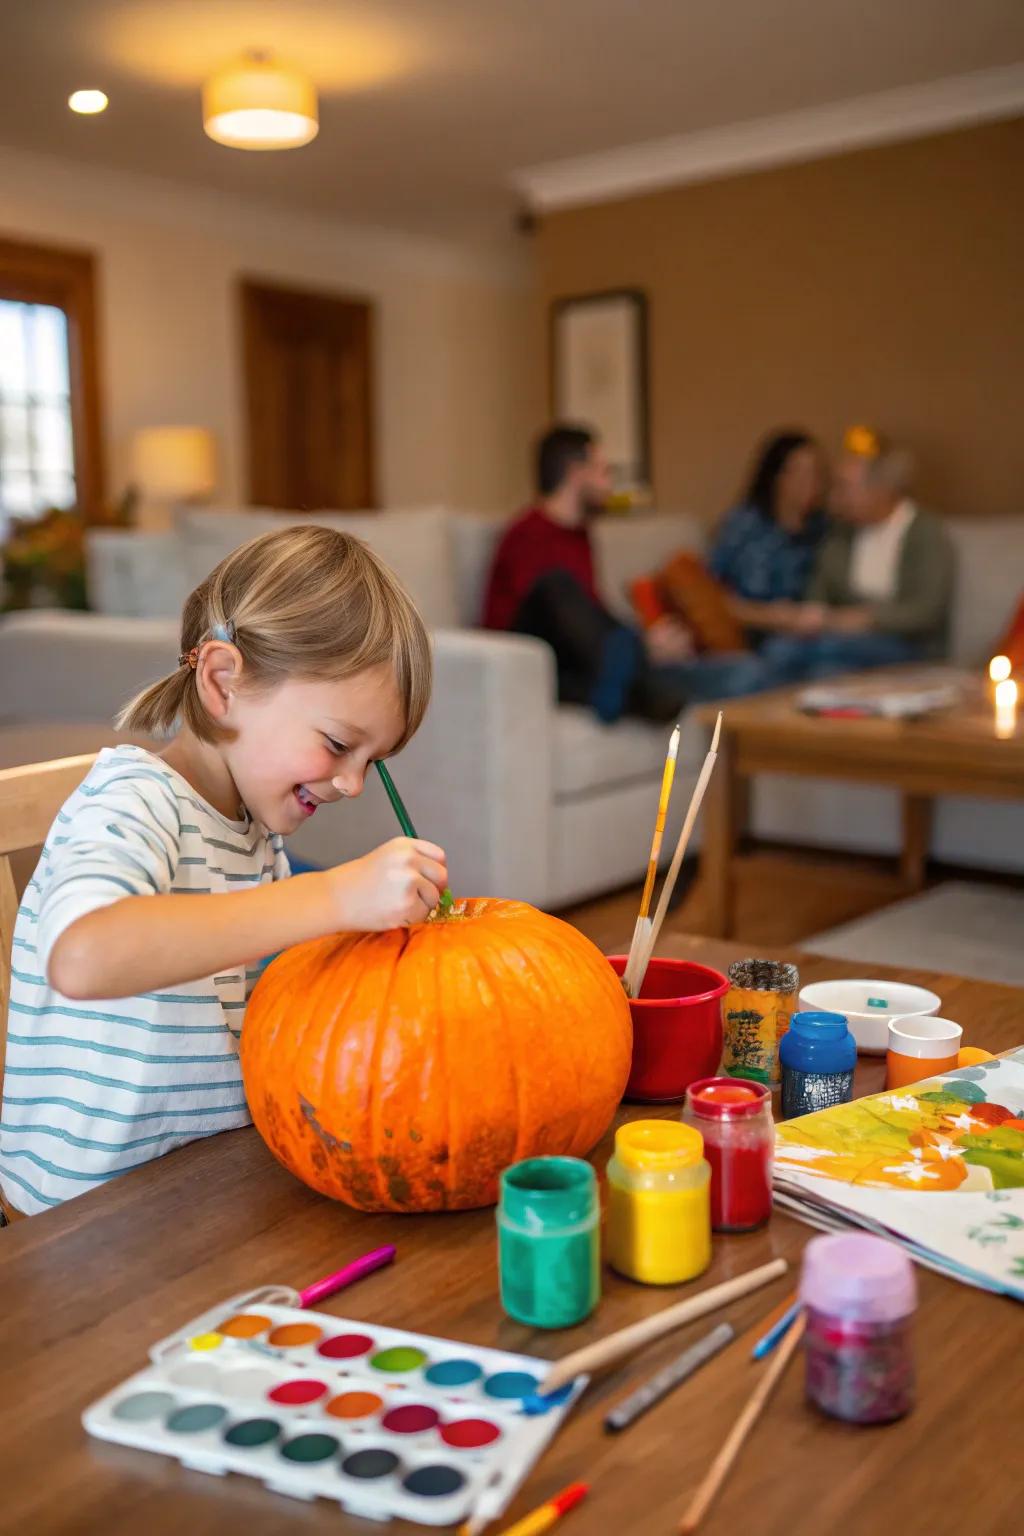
x=937 y=1167
x=941 y=1134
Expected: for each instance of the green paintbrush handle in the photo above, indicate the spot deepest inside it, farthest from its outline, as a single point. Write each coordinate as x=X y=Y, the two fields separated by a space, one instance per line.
x=447 y=899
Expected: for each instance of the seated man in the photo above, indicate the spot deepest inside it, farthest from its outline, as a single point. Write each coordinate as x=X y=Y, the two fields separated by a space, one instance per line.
x=542 y=583
x=883 y=583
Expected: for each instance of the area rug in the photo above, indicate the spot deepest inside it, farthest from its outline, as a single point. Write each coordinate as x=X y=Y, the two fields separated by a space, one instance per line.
x=960 y=928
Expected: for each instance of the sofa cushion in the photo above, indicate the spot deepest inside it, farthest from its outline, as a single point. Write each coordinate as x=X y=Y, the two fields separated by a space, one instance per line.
x=591 y=756
x=989 y=576
x=474 y=538
x=627 y=546
x=416 y=545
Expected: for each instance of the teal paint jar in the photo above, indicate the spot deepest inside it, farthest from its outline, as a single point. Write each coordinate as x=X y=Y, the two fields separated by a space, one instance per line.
x=549 y=1241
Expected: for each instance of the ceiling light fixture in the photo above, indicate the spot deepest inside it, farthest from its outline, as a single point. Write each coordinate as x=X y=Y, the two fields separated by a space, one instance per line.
x=87 y=102
x=260 y=104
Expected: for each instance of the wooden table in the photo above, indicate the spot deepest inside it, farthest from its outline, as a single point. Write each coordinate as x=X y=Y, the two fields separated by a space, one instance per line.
x=88 y=1287
x=955 y=752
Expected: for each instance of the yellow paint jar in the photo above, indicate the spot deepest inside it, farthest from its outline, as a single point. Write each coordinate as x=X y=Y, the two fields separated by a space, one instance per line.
x=659 y=1205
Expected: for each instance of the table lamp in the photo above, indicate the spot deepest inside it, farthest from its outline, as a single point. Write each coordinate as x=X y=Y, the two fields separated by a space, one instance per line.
x=171 y=465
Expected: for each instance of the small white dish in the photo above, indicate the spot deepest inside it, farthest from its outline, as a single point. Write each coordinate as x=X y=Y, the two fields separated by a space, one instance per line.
x=869 y=1006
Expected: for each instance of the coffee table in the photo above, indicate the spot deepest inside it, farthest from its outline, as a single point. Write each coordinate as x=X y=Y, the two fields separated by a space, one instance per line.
x=955 y=752
x=85 y=1289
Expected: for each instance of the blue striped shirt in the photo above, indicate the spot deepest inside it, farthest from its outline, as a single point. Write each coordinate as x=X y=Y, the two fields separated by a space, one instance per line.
x=92 y=1089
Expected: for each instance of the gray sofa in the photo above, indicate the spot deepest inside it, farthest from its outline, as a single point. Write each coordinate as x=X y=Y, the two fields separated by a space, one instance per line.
x=531 y=799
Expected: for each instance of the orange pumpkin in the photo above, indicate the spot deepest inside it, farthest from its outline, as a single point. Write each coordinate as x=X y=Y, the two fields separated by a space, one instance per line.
x=403 y=1071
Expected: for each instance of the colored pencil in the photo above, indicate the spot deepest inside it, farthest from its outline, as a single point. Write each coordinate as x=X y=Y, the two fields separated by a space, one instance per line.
x=776 y=1332
x=642 y=926
x=626 y=1341
x=677 y=858
x=348 y=1275
x=405 y=822
x=722 y=1464
x=548 y=1514
x=651 y=1392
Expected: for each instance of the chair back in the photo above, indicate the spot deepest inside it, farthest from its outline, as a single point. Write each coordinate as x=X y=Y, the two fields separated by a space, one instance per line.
x=30 y=798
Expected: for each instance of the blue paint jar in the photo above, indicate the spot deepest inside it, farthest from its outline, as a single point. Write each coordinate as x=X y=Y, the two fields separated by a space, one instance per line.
x=818 y=1055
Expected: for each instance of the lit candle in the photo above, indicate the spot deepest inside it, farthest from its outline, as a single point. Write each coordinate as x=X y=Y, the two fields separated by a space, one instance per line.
x=999 y=668
x=1006 y=708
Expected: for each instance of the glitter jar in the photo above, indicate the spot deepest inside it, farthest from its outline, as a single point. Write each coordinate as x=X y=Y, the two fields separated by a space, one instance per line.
x=859 y=1296
x=818 y=1055
x=735 y=1119
x=755 y=1016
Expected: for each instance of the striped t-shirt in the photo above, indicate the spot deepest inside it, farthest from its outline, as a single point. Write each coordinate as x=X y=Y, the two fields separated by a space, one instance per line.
x=92 y=1089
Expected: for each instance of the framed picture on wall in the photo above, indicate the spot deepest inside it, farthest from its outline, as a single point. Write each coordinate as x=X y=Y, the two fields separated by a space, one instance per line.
x=599 y=376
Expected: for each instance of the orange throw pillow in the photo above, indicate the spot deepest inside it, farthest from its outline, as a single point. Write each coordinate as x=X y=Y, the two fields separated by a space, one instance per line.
x=648 y=602
x=1012 y=643
x=703 y=602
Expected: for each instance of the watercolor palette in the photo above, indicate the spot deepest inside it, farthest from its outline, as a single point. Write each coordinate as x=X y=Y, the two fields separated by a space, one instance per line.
x=386 y=1422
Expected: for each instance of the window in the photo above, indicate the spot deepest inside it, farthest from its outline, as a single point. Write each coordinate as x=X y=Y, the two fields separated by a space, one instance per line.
x=49 y=409
x=37 y=462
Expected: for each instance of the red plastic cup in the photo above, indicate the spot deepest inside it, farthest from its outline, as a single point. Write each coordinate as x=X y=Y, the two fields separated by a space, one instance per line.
x=677 y=1028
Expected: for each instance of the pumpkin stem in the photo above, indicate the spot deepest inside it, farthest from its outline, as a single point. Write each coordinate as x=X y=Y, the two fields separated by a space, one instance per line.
x=447 y=909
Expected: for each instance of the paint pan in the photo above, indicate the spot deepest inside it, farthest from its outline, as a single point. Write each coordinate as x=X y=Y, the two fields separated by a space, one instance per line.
x=386 y=1422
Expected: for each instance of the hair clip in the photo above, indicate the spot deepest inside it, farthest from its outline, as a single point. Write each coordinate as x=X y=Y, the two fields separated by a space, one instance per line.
x=225 y=632
x=189 y=658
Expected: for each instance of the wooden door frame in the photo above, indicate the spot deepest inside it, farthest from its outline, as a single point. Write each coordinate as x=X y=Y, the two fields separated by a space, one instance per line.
x=249 y=287
x=66 y=278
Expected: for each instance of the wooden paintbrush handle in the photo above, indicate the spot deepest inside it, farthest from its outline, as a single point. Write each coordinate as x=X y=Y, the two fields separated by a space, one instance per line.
x=719 y=1469
x=606 y=1351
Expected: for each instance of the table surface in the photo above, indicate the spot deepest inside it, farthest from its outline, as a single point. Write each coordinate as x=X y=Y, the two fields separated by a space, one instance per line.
x=86 y=1289
x=957 y=745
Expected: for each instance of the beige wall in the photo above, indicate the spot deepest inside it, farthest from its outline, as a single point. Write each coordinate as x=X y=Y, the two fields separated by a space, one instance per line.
x=457 y=388
x=884 y=286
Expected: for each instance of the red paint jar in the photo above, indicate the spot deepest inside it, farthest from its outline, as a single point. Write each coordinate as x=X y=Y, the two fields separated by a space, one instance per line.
x=735 y=1118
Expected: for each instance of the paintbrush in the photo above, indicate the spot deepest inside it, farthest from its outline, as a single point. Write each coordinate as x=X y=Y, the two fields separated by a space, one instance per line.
x=405 y=822
x=677 y=858
x=626 y=1341
x=722 y=1464
x=642 y=928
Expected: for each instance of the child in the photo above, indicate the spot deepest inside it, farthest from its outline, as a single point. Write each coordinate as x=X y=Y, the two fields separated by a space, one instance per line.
x=163 y=880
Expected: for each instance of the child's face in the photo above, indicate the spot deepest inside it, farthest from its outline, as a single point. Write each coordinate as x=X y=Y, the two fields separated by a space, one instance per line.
x=305 y=743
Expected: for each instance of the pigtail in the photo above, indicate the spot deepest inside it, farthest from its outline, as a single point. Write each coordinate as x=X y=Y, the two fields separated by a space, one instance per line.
x=156 y=710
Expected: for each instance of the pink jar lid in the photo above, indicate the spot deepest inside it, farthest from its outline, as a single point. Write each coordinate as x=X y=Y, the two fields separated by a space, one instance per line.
x=726 y=1098
x=864 y=1279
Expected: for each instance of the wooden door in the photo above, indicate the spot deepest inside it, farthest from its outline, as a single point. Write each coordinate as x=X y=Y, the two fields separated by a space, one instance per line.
x=309 y=388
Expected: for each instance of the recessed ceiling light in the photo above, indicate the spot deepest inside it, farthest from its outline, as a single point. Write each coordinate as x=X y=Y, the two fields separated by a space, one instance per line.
x=87 y=101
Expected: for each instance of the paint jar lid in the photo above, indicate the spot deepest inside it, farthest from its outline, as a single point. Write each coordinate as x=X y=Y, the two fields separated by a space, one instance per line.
x=726 y=1098
x=764 y=976
x=544 y=1194
x=820 y=1026
x=658 y=1146
x=859 y=1278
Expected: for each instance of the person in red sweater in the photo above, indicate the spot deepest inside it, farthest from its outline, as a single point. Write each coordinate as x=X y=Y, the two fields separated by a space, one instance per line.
x=542 y=583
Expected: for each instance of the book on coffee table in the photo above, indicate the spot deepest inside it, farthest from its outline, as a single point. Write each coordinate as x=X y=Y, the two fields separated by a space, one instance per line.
x=870 y=697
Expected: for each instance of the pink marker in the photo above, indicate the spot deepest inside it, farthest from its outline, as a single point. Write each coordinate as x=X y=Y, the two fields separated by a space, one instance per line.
x=321 y=1289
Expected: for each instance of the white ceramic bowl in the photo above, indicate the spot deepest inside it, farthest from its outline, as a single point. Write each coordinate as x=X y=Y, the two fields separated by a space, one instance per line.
x=868 y=1006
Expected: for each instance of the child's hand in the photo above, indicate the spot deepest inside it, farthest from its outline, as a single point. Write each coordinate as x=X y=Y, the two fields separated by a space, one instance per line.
x=397 y=884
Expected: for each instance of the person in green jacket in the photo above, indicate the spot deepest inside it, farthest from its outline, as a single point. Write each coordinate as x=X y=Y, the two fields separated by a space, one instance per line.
x=882 y=588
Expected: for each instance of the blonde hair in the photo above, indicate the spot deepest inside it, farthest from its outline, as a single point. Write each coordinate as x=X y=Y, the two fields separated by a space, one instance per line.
x=304 y=602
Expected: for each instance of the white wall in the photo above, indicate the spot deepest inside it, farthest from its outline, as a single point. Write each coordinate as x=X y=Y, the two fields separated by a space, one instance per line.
x=456 y=367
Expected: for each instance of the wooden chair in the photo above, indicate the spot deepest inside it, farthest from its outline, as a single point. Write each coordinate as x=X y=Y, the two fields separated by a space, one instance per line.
x=30 y=798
